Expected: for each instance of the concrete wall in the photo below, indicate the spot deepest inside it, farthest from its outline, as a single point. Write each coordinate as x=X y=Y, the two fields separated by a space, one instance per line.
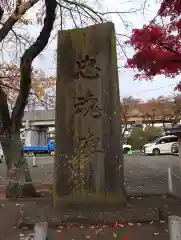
x=34 y=135
x=48 y=117
x=39 y=115
x=42 y=134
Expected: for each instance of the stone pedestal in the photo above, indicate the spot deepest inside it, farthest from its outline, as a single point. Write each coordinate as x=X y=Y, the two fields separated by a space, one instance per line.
x=88 y=161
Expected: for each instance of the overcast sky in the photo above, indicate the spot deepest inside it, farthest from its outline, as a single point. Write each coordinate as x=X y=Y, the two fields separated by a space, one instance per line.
x=141 y=89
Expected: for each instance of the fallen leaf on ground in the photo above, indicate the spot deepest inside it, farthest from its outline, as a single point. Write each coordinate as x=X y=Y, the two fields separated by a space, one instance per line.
x=98 y=231
x=92 y=227
x=25 y=228
x=30 y=237
x=60 y=226
x=130 y=224
x=128 y=205
x=115 y=235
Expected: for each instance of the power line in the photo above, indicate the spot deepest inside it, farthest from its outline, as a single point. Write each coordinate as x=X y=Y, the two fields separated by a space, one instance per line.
x=151 y=89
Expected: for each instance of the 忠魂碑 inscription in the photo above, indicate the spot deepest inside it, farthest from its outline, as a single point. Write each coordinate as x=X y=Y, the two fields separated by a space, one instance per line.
x=87 y=104
x=87 y=68
x=87 y=145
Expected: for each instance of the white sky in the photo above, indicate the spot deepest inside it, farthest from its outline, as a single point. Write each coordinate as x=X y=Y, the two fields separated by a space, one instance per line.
x=141 y=89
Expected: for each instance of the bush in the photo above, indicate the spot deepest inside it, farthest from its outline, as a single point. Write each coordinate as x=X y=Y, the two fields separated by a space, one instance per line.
x=140 y=136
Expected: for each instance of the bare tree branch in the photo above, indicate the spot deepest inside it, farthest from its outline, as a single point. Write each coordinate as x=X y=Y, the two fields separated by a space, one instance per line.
x=18 y=4
x=44 y=103
x=79 y=12
x=30 y=54
x=19 y=11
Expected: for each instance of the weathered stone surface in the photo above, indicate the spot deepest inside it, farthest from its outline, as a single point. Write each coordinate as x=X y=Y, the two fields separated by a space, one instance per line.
x=88 y=114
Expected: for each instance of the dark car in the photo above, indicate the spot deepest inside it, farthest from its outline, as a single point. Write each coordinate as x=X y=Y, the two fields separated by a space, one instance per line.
x=175 y=148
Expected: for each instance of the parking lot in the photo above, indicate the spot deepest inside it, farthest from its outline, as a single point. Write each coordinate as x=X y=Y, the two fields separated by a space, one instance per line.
x=150 y=173
x=142 y=173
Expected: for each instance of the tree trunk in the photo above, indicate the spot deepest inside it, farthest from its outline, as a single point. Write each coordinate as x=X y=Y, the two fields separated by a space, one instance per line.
x=19 y=182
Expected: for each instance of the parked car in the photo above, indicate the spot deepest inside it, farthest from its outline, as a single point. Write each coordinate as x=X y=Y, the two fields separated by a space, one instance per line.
x=162 y=145
x=126 y=148
x=175 y=149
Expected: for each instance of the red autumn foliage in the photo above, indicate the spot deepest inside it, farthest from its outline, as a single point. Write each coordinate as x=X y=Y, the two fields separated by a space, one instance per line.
x=158 y=45
x=170 y=8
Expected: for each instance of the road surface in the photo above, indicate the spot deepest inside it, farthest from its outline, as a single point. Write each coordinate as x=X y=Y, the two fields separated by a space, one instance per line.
x=142 y=173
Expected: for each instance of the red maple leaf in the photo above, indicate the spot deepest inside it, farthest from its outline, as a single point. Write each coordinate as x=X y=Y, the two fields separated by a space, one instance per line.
x=158 y=46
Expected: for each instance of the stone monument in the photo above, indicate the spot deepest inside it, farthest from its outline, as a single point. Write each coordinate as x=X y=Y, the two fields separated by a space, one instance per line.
x=88 y=158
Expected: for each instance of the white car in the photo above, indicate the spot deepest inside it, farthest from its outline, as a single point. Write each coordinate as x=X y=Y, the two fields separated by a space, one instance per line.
x=126 y=148
x=162 y=145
